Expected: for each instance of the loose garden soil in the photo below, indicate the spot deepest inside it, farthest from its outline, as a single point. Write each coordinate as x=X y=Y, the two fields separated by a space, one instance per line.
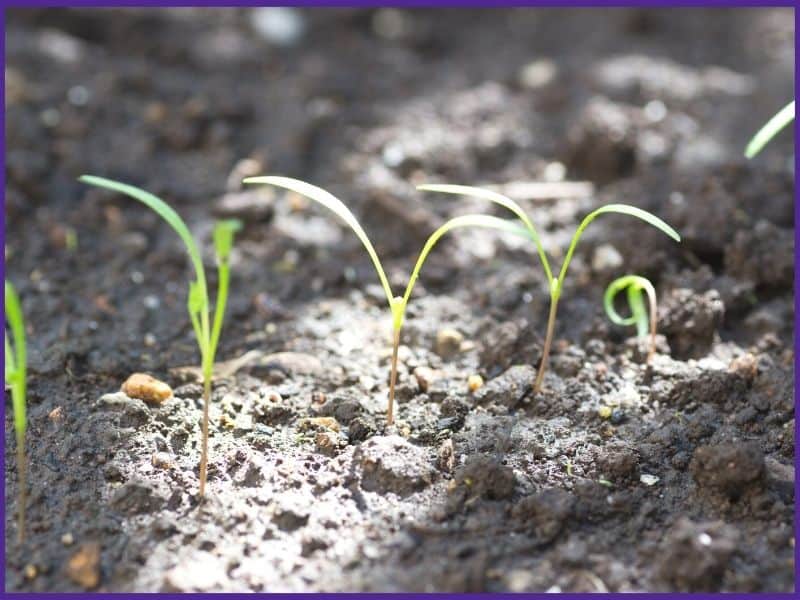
x=618 y=476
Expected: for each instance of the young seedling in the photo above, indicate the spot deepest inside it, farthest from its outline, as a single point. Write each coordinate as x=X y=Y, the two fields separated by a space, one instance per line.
x=397 y=304
x=770 y=130
x=206 y=331
x=635 y=286
x=15 y=376
x=555 y=283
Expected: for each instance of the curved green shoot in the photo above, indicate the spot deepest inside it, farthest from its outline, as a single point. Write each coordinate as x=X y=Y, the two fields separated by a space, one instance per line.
x=16 y=377
x=770 y=130
x=197 y=300
x=331 y=202
x=634 y=285
x=397 y=304
x=504 y=201
x=556 y=283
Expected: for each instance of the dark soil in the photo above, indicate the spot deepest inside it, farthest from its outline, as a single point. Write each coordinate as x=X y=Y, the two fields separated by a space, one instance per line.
x=616 y=477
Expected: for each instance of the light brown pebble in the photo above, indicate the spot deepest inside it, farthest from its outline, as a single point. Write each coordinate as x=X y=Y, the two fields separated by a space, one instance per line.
x=326 y=442
x=56 y=415
x=84 y=566
x=425 y=376
x=314 y=422
x=474 y=382
x=161 y=460
x=31 y=571
x=67 y=539
x=147 y=388
x=448 y=342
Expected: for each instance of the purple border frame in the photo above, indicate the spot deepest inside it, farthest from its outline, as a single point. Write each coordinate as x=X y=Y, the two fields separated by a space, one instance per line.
x=419 y=4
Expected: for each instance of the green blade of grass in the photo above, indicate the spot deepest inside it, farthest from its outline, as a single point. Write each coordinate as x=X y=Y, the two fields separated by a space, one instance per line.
x=18 y=353
x=223 y=242
x=622 y=209
x=198 y=291
x=770 y=130
x=462 y=221
x=335 y=205
x=505 y=202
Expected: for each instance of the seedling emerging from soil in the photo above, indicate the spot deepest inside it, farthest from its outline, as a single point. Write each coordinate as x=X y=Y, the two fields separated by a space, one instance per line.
x=556 y=283
x=206 y=331
x=15 y=376
x=635 y=285
x=770 y=130
x=397 y=304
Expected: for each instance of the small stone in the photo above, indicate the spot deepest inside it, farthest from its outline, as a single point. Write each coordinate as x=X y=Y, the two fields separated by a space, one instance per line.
x=326 y=442
x=648 y=479
x=147 y=388
x=537 y=74
x=425 y=376
x=56 y=415
x=474 y=382
x=315 y=422
x=227 y=422
x=446 y=459
x=604 y=412
x=31 y=571
x=84 y=566
x=448 y=342
x=606 y=258
x=392 y=464
x=162 y=460
x=67 y=539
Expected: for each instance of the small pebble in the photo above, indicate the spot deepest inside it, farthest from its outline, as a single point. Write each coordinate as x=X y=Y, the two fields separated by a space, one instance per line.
x=31 y=571
x=604 y=412
x=474 y=382
x=67 y=539
x=448 y=342
x=147 y=388
x=161 y=460
x=618 y=416
x=648 y=479
x=311 y=423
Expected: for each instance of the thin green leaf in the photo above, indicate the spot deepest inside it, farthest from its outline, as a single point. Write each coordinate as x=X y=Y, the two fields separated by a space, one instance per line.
x=223 y=237
x=770 y=130
x=332 y=203
x=197 y=302
x=623 y=209
x=504 y=201
x=462 y=221
x=18 y=384
x=635 y=285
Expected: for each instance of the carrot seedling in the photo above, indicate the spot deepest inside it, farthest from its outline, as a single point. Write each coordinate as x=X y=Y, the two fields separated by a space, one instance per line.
x=206 y=331
x=397 y=304
x=555 y=283
x=770 y=130
x=15 y=377
x=635 y=286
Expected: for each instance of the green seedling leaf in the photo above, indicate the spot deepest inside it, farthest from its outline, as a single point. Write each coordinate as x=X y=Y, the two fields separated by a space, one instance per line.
x=635 y=285
x=332 y=203
x=770 y=130
x=197 y=302
x=16 y=359
x=504 y=201
x=485 y=221
x=223 y=237
x=16 y=362
x=622 y=209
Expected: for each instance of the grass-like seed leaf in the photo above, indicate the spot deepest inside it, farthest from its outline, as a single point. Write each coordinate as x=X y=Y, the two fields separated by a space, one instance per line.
x=223 y=237
x=332 y=203
x=504 y=201
x=16 y=362
x=634 y=285
x=197 y=302
x=770 y=130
